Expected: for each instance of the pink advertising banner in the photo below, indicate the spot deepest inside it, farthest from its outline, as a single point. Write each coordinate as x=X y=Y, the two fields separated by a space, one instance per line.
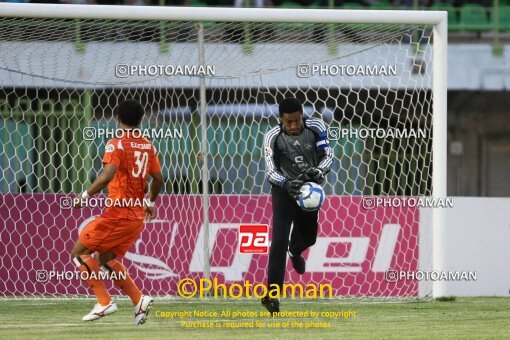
x=355 y=249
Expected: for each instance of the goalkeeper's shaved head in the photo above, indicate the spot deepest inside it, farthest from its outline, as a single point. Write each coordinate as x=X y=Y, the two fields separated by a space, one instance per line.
x=130 y=112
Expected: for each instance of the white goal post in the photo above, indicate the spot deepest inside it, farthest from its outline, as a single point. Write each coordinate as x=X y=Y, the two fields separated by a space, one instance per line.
x=436 y=20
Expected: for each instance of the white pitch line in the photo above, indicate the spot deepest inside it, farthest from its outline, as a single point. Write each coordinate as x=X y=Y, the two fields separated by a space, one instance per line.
x=58 y=325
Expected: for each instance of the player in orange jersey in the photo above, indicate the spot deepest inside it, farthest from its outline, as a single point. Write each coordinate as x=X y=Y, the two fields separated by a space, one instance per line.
x=128 y=161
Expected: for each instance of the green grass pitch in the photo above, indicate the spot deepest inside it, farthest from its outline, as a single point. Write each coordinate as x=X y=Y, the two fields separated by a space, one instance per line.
x=461 y=318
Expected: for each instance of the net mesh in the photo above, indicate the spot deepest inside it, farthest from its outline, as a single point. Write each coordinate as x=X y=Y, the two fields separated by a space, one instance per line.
x=60 y=78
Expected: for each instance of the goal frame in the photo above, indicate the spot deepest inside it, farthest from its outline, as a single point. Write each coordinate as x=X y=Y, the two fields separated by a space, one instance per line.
x=438 y=19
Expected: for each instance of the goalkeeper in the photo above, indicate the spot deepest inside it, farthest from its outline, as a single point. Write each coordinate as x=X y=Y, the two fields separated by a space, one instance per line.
x=296 y=151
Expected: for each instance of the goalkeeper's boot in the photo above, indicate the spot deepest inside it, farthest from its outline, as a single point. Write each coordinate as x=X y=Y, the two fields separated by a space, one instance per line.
x=298 y=262
x=271 y=304
x=100 y=311
x=142 y=309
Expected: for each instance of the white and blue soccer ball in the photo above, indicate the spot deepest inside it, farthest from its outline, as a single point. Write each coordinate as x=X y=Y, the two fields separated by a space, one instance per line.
x=312 y=196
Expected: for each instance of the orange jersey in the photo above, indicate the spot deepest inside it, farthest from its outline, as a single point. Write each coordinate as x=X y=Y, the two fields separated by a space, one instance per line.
x=135 y=159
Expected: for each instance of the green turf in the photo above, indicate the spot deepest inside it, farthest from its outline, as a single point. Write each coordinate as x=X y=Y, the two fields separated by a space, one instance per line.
x=463 y=317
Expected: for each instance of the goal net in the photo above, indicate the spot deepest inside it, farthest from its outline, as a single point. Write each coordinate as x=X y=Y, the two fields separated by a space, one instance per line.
x=210 y=84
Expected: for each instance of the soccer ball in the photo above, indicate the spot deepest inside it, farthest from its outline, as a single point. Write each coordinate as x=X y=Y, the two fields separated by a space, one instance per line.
x=311 y=197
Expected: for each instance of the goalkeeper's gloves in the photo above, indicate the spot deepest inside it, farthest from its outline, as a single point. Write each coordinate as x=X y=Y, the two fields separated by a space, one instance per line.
x=313 y=174
x=293 y=186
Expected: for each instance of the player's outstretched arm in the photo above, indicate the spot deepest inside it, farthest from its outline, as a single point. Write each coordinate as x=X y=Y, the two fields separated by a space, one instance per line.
x=273 y=173
x=156 y=185
x=105 y=177
x=323 y=147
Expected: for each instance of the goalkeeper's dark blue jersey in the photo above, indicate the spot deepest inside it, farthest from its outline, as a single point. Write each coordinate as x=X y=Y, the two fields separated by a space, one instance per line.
x=288 y=156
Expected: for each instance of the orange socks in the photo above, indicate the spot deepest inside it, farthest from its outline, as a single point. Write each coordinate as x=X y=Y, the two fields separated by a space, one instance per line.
x=127 y=284
x=87 y=264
